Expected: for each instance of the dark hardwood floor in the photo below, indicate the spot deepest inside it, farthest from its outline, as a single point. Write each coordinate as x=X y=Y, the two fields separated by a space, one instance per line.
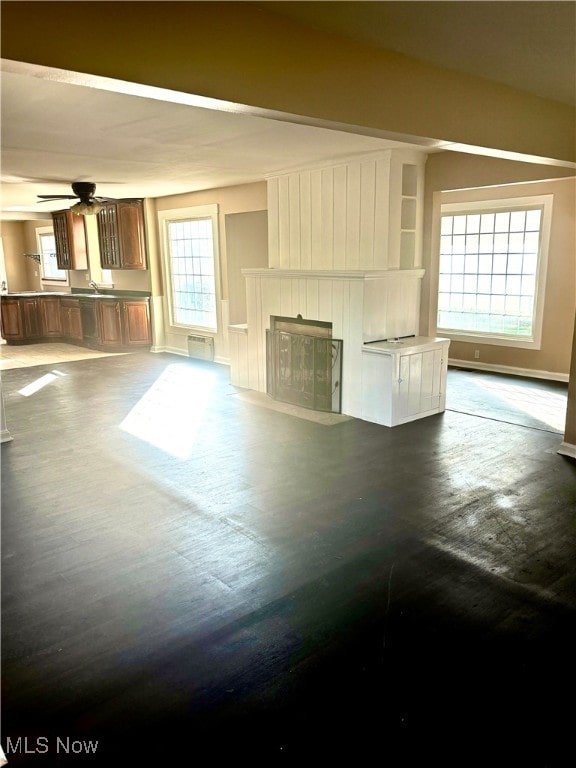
x=188 y=574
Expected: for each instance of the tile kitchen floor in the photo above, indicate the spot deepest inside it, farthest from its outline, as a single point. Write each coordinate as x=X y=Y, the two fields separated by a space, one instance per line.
x=29 y=355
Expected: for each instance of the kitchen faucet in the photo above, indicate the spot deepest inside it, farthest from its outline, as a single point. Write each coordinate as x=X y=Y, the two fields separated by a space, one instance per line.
x=94 y=285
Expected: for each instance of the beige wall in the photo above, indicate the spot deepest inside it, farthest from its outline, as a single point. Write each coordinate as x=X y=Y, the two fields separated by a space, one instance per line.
x=237 y=199
x=246 y=247
x=458 y=172
x=17 y=239
x=243 y=198
x=247 y=55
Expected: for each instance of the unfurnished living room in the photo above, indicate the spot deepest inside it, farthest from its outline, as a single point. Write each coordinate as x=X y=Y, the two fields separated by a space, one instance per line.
x=288 y=383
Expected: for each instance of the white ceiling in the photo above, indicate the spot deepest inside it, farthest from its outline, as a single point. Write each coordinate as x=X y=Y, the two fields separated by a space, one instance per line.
x=56 y=132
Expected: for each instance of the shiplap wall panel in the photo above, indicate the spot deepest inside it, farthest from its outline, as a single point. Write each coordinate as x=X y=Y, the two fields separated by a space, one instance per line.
x=312 y=300
x=325 y=299
x=285 y=298
x=253 y=320
x=295 y=220
x=273 y=223
x=381 y=213
x=316 y=213
x=284 y=222
x=367 y=214
x=340 y=193
x=343 y=217
x=353 y=201
x=334 y=218
x=337 y=307
x=326 y=255
x=305 y=221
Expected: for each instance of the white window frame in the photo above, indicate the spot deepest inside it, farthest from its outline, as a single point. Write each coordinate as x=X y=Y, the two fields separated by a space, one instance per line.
x=185 y=214
x=48 y=280
x=545 y=202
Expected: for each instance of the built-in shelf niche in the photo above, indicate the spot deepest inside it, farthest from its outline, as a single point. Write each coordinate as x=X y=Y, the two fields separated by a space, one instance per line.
x=409 y=216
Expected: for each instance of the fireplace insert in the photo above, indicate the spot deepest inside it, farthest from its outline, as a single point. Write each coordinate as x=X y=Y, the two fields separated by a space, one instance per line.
x=304 y=363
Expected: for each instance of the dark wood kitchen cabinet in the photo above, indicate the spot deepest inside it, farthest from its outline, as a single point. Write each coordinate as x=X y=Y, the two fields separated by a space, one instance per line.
x=12 y=325
x=70 y=239
x=136 y=323
x=109 y=323
x=31 y=318
x=50 y=318
x=121 y=235
x=20 y=320
x=71 y=320
x=124 y=323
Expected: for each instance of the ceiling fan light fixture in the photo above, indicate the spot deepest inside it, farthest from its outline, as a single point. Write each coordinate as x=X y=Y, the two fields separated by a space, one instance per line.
x=90 y=208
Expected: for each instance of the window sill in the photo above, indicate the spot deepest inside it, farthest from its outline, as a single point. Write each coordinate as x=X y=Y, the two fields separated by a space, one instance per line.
x=468 y=337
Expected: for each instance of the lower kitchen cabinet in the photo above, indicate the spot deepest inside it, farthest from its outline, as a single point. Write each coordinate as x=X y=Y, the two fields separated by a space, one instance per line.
x=109 y=324
x=31 y=319
x=124 y=323
x=12 y=324
x=50 y=318
x=136 y=323
x=71 y=319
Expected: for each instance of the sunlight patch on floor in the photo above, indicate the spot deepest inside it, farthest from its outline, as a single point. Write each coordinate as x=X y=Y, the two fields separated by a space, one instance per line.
x=39 y=383
x=547 y=407
x=171 y=412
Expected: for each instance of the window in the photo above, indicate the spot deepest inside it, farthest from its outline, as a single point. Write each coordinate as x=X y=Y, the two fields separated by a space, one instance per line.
x=492 y=270
x=47 y=249
x=190 y=258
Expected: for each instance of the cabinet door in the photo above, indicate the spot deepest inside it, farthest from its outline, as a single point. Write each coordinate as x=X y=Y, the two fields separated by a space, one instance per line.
x=108 y=237
x=71 y=319
x=420 y=382
x=12 y=326
x=70 y=239
x=136 y=322
x=30 y=318
x=131 y=234
x=77 y=240
x=60 y=226
x=109 y=326
x=50 y=319
x=75 y=327
x=65 y=320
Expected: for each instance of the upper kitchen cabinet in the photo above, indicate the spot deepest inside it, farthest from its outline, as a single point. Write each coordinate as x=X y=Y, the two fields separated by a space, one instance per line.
x=121 y=235
x=70 y=239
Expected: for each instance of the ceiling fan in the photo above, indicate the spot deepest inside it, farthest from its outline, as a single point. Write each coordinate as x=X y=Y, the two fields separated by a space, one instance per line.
x=88 y=203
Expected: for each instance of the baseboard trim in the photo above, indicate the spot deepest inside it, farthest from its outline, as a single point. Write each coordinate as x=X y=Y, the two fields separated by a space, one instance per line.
x=509 y=369
x=567 y=449
x=184 y=353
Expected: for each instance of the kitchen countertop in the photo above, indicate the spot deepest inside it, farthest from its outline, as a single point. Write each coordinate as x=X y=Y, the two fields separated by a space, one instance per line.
x=79 y=295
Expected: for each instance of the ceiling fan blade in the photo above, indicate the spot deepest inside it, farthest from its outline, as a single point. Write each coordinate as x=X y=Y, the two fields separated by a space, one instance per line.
x=56 y=197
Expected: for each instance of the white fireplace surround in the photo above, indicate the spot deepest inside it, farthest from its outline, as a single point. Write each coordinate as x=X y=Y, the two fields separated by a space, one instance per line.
x=344 y=247
x=361 y=305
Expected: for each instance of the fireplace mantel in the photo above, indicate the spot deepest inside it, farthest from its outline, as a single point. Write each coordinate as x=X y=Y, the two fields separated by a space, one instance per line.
x=326 y=274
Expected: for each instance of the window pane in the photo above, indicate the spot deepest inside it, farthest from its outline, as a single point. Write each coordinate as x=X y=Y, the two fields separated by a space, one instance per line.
x=191 y=262
x=48 y=262
x=488 y=267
